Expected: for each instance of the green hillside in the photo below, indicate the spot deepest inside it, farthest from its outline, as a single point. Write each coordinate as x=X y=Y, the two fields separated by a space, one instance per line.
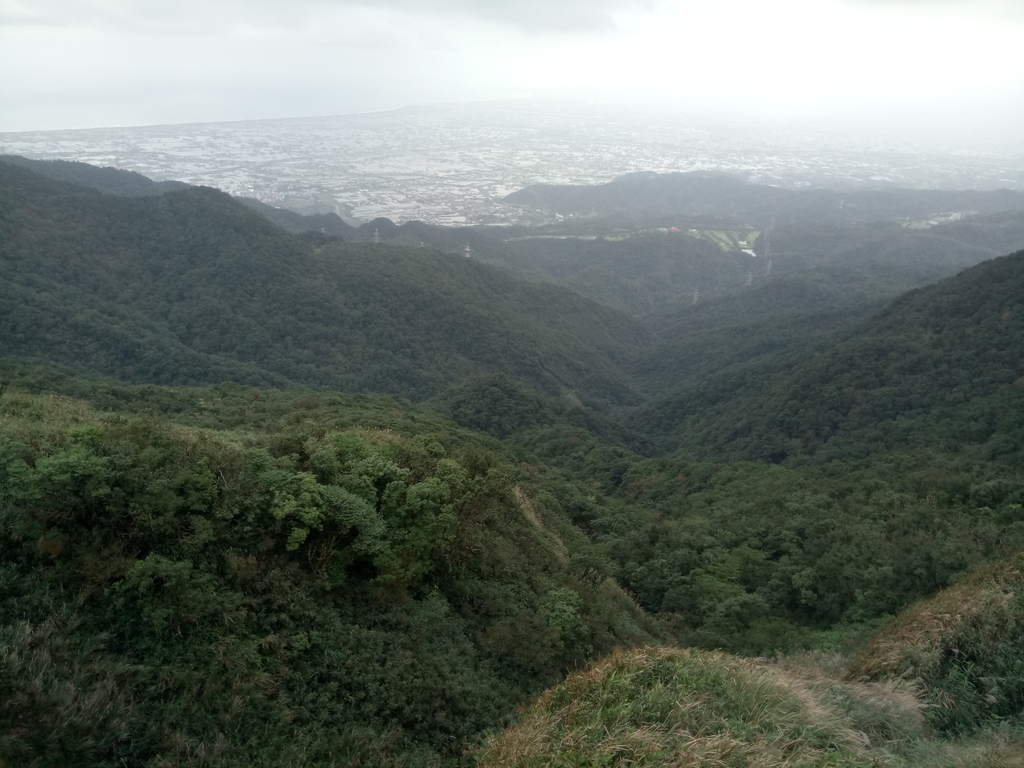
x=777 y=313
x=646 y=196
x=329 y=578
x=228 y=537
x=928 y=254
x=939 y=364
x=662 y=267
x=823 y=279
x=190 y=567
x=191 y=287
x=114 y=181
x=638 y=273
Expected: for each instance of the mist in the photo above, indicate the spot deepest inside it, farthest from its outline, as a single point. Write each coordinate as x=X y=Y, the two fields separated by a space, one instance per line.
x=947 y=70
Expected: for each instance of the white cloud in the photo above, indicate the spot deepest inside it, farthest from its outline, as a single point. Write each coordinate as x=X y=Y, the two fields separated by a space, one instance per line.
x=189 y=60
x=211 y=16
x=994 y=9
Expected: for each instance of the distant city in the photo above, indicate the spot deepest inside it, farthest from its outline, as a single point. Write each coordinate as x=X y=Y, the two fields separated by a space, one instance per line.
x=453 y=164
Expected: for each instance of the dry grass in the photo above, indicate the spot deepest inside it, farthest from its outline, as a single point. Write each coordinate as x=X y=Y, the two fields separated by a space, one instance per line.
x=529 y=512
x=965 y=646
x=982 y=602
x=888 y=716
x=675 y=707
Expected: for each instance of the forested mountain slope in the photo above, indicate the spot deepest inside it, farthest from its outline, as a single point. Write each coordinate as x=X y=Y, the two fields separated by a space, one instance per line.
x=645 y=196
x=950 y=355
x=922 y=254
x=778 y=313
x=661 y=266
x=192 y=287
x=241 y=577
x=419 y=234
x=114 y=181
x=297 y=223
x=234 y=574
x=822 y=279
x=639 y=273
x=118 y=181
x=329 y=579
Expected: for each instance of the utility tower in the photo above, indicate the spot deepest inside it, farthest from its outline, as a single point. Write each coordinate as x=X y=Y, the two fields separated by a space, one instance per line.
x=467 y=251
x=376 y=236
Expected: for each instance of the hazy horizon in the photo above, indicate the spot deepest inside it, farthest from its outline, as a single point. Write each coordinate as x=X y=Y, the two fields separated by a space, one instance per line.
x=919 y=67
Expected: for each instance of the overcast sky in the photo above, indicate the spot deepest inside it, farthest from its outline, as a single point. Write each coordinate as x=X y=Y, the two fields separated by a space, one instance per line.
x=84 y=63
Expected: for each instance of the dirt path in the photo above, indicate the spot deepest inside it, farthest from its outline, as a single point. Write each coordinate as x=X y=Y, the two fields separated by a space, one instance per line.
x=530 y=513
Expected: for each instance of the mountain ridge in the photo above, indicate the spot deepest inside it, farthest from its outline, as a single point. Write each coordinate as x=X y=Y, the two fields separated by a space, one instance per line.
x=697 y=193
x=958 y=340
x=201 y=270
x=264 y=570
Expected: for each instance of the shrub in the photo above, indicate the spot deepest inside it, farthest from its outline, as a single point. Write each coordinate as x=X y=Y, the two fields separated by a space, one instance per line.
x=966 y=646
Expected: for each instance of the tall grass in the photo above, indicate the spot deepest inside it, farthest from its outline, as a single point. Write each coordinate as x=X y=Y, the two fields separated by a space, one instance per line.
x=966 y=647
x=672 y=708
x=675 y=707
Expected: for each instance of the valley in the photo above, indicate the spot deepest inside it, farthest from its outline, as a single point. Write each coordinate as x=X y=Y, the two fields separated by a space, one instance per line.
x=290 y=488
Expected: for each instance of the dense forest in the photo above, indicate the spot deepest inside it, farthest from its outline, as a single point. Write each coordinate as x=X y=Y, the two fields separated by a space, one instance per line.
x=273 y=493
x=191 y=286
x=642 y=196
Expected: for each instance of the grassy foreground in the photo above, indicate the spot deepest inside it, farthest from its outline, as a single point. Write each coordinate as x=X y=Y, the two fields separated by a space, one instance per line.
x=683 y=707
x=940 y=685
x=965 y=644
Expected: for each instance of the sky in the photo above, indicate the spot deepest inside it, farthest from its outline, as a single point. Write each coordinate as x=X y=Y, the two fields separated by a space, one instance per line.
x=926 y=64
